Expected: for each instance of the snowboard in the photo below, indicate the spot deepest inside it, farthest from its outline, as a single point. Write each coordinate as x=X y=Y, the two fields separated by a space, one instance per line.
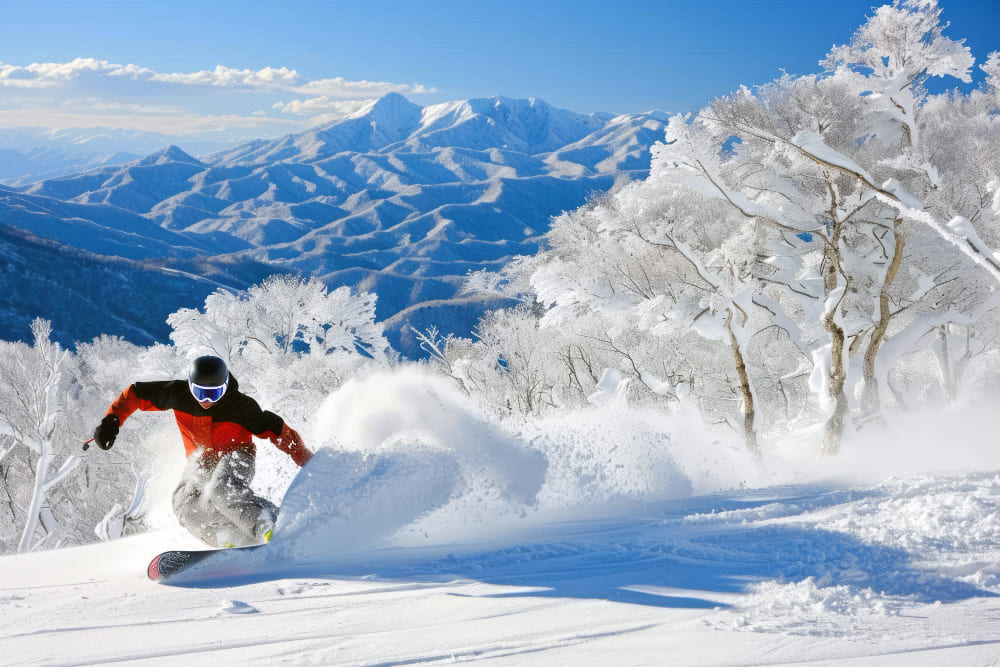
x=173 y=562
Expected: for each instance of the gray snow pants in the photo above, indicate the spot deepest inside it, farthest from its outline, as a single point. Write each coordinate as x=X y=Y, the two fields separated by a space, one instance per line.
x=215 y=502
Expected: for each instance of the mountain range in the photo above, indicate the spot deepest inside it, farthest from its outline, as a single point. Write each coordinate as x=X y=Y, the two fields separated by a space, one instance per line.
x=32 y=154
x=397 y=199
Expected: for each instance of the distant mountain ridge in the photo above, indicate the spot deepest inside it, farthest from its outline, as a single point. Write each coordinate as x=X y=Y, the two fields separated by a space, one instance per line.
x=397 y=198
x=32 y=154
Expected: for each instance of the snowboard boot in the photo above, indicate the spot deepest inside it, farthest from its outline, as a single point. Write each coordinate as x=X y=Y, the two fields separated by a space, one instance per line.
x=264 y=528
x=225 y=539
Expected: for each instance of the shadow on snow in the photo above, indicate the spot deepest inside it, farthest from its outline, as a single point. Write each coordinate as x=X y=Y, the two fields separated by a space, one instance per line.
x=690 y=553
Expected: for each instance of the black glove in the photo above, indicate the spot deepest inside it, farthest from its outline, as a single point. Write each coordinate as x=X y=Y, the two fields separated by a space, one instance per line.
x=105 y=434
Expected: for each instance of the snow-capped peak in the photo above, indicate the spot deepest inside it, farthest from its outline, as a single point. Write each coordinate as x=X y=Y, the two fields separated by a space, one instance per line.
x=385 y=121
x=390 y=109
x=392 y=122
x=167 y=155
x=528 y=125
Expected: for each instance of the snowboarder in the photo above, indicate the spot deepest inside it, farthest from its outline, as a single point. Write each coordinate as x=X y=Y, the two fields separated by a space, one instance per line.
x=213 y=500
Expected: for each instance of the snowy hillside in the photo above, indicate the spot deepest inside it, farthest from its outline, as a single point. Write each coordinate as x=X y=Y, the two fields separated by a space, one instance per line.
x=427 y=534
x=91 y=295
x=399 y=199
x=742 y=411
x=393 y=123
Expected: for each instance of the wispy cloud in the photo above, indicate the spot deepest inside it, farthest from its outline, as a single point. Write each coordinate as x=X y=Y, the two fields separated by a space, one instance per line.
x=177 y=124
x=49 y=75
x=88 y=91
x=269 y=78
x=340 y=87
x=275 y=79
x=91 y=104
x=320 y=105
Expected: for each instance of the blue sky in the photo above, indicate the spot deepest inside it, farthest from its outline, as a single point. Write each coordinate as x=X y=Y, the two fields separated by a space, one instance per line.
x=266 y=67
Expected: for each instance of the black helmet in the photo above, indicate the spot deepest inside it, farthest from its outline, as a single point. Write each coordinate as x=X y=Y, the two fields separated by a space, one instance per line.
x=208 y=378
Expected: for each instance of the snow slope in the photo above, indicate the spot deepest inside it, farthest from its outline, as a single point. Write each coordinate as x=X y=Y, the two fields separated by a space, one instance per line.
x=436 y=538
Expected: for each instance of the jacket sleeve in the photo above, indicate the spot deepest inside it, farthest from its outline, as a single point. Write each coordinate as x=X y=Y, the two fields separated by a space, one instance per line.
x=129 y=401
x=266 y=424
x=290 y=442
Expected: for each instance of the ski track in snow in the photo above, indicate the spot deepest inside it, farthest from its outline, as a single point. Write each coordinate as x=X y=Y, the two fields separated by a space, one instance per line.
x=788 y=574
x=422 y=533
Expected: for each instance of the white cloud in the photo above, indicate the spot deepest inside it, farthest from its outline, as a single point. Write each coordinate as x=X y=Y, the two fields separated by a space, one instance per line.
x=177 y=124
x=339 y=87
x=277 y=79
x=96 y=104
x=43 y=75
x=321 y=105
x=269 y=78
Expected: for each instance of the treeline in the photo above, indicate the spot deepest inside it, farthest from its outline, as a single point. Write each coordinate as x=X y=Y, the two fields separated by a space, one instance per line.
x=805 y=258
x=815 y=251
x=289 y=341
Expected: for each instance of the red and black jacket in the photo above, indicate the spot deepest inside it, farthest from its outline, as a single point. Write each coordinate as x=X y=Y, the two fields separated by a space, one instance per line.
x=223 y=427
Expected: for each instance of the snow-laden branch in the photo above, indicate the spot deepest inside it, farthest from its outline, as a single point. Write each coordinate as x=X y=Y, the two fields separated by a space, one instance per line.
x=67 y=467
x=959 y=231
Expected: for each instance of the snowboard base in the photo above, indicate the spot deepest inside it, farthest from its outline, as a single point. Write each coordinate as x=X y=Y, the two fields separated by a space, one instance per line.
x=170 y=563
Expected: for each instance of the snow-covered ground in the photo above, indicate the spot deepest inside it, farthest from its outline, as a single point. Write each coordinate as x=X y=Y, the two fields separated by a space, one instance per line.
x=450 y=540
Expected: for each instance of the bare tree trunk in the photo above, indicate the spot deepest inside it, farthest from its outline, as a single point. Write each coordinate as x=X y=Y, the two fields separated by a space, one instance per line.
x=961 y=364
x=37 y=501
x=39 y=510
x=944 y=364
x=749 y=413
x=871 y=401
x=833 y=432
x=834 y=429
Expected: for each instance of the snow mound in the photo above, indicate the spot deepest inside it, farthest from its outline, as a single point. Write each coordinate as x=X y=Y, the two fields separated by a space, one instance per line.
x=614 y=454
x=236 y=607
x=343 y=500
x=372 y=414
x=941 y=515
x=805 y=608
x=607 y=456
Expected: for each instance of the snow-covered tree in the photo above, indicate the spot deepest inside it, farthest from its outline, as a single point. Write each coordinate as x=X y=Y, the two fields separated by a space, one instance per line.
x=109 y=486
x=32 y=414
x=54 y=493
x=286 y=337
x=283 y=314
x=845 y=171
x=225 y=327
x=655 y=258
x=841 y=216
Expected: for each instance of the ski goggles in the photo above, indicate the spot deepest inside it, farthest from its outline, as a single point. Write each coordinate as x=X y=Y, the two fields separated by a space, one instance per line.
x=208 y=394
